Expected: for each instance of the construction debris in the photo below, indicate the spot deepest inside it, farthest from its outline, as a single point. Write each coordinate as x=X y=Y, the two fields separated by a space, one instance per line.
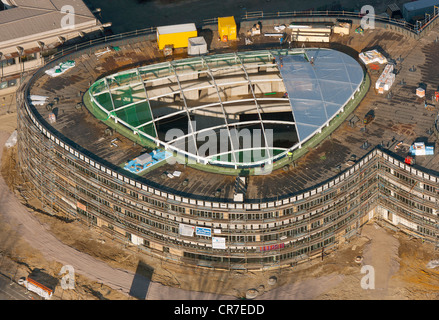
x=52 y=117
x=359 y=30
x=280 y=28
x=12 y=140
x=61 y=68
x=432 y=264
x=101 y=52
x=255 y=30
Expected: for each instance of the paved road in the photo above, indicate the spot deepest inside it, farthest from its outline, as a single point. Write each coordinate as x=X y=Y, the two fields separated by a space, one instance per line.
x=12 y=291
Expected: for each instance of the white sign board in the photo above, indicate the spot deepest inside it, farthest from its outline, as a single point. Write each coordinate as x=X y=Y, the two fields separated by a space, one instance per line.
x=186 y=230
x=218 y=243
x=207 y=232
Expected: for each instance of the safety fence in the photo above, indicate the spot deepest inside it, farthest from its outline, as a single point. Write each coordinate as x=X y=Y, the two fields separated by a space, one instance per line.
x=417 y=31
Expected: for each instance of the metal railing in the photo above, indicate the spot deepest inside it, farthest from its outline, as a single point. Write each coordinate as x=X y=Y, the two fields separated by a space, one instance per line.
x=62 y=51
x=417 y=29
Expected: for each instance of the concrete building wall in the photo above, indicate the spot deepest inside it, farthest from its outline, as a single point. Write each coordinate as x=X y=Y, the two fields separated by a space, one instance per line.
x=350 y=200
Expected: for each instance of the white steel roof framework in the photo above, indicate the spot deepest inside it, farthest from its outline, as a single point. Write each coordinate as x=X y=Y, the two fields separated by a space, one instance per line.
x=144 y=98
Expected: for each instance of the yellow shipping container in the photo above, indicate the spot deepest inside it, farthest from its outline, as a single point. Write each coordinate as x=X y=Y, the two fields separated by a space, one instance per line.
x=176 y=35
x=227 y=27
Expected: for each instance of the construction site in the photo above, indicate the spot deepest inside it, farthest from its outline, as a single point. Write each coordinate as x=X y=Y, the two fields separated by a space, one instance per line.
x=355 y=187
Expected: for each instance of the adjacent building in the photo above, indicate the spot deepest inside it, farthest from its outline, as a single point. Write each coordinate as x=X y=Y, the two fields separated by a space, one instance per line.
x=419 y=10
x=31 y=30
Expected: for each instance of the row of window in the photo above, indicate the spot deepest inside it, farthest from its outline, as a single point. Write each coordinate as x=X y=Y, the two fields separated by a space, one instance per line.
x=166 y=227
x=299 y=254
x=408 y=180
x=385 y=188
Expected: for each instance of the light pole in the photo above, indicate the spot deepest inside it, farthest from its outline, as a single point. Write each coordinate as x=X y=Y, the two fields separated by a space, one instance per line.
x=41 y=46
x=20 y=51
x=1 y=62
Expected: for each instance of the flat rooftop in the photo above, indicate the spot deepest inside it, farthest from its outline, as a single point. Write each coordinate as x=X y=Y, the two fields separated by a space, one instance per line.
x=41 y=17
x=400 y=119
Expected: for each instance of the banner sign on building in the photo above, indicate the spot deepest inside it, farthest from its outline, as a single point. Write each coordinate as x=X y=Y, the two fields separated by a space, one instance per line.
x=200 y=231
x=186 y=230
x=272 y=247
x=218 y=242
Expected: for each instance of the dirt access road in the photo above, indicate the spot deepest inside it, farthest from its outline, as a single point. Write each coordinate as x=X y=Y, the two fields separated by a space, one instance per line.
x=31 y=230
x=21 y=224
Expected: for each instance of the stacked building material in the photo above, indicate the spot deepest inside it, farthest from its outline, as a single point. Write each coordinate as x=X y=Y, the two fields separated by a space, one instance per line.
x=372 y=56
x=386 y=79
x=310 y=33
x=38 y=100
x=420 y=149
x=342 y=29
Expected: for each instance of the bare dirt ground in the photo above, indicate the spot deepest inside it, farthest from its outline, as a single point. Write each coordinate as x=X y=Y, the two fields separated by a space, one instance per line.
x=104 y=268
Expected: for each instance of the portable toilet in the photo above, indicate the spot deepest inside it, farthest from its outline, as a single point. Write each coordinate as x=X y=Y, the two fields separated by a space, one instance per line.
x=176 y=36
x=227 y=28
